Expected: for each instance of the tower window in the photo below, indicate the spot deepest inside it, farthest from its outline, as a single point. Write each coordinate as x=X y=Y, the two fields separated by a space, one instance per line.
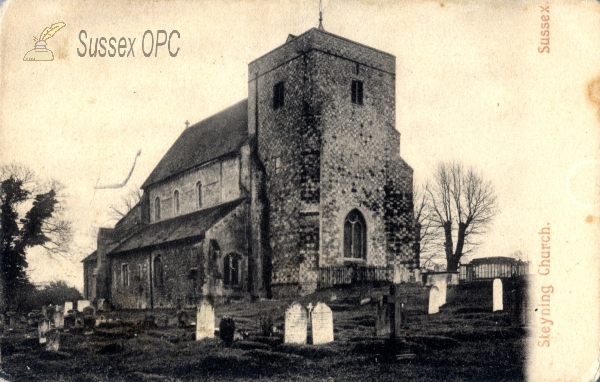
x=357 y=92
x=278 y=95
x=355 y=236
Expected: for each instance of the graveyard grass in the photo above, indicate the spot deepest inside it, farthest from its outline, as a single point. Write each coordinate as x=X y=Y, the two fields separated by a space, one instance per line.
x=465 y=341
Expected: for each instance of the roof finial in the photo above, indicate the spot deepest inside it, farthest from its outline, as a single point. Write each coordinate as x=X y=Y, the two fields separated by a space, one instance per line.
x=321 y=15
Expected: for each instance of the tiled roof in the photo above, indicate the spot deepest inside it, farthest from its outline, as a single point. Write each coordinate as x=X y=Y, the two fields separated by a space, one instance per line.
x=91 y=257
x=209 y=139
x=179 y=228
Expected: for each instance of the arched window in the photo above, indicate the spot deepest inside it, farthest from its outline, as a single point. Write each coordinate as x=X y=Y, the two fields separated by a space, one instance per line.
x=355 y=236
x=199 y=195
x=157 y=209
x=158 y=272
x=176 y=201
x=231 y=270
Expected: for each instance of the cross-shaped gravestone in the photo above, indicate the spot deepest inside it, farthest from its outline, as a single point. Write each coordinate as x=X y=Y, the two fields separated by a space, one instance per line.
x=187 y=124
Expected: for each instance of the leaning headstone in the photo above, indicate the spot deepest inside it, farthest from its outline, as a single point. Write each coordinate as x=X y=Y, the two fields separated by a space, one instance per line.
x=497 y=295
x=43 y=328
x=382 y=322
x=68 y=306
x=322 y=324
x=296 y=323
x=205 y=321
x=82 y=304
x=227 y=330
x=53 y=340
x=434 y=300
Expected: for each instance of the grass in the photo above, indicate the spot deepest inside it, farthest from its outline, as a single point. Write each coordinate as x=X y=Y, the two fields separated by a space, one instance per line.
x=464 y=342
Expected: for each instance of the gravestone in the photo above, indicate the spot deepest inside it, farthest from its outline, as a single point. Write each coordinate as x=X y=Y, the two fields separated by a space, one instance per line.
x=382 y=322
x=497 y=295
x=101 y=304
x=68 y=322
x=43 y=328
x=205 y=321
x=227 y=330
x=53 y=340
x=322 y=324
x=296 y=323
x=50 y=312
x=434 y=300
x=81 y=304
x=58 y=319
x=68 y=306
x=442 y=286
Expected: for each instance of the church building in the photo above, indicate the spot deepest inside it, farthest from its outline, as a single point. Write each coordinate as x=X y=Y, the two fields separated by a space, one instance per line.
x=267 y=197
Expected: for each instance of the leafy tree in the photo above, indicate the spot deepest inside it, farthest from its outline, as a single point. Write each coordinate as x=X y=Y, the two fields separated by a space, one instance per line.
x=56 y=293
x=462 y=206
x=42 y=226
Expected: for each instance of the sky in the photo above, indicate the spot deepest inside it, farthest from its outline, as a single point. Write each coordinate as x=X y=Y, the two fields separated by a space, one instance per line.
x=471 y=86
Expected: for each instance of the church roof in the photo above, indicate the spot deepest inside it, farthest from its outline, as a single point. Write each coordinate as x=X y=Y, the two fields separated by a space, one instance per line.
x=182 y=227
x=204 y=141
x=91 y=257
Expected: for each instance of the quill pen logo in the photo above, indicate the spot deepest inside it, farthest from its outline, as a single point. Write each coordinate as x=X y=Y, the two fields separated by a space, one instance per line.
x=41 y=53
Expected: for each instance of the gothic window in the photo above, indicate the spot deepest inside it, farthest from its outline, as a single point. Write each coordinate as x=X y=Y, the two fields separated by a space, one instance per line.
x=157 y=209
x=355 y=236
x=158 y=272
x=231 y=270
x=278 y=95
x=357 y=92
x=176 y=201
x=199 y=195
x=125 y=275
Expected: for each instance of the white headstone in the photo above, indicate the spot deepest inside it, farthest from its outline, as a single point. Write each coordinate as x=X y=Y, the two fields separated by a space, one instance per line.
x=205 y=321
x=442 y=286
x=322 y=324
x=295 y=324
x=497 y=295
x=59 y=319
x=434 y=300
x=82 y=304
x=68 y=306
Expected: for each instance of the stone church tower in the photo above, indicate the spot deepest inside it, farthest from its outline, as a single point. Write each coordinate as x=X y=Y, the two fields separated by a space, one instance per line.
x=331 y=188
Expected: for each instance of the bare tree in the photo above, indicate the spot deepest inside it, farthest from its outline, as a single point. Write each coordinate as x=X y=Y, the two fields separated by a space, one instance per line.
x=463 y=205
x=426 y=232
x=127 y=203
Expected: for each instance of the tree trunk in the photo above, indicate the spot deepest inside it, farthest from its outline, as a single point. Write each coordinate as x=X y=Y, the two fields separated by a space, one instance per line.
x=448 y=243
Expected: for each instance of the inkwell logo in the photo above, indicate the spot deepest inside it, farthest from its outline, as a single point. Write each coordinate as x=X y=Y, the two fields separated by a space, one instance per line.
x=40 y=53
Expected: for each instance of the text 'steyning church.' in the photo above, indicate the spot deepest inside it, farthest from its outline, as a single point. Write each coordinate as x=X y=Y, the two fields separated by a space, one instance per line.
x=270 y=195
